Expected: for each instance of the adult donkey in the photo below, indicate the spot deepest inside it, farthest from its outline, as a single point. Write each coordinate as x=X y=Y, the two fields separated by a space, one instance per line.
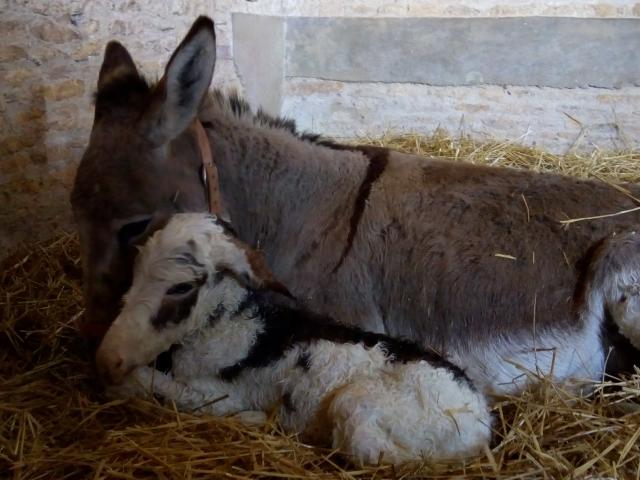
x=470 y=260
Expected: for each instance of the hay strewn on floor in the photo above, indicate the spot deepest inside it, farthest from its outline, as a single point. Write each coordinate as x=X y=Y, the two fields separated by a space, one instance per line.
x=608 y=166
x=55 y=424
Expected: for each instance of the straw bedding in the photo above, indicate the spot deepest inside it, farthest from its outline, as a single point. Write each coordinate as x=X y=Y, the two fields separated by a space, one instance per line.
x=55 y=422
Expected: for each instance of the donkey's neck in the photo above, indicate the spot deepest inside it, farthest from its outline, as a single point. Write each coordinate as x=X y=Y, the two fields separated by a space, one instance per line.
x=272 y=183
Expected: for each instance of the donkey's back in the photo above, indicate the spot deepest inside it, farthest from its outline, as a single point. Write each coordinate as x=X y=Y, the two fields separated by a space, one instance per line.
x=478 y=262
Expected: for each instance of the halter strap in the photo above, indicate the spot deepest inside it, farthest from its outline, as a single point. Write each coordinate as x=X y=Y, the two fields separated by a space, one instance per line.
x=209 y=170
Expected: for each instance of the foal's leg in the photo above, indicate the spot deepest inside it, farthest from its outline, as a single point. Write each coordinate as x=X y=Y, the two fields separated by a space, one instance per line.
x=410 y=412
x=626 y=314
x=198 y=396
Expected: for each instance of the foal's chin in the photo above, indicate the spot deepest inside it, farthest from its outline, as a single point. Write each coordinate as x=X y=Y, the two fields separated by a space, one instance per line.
x=134 y=385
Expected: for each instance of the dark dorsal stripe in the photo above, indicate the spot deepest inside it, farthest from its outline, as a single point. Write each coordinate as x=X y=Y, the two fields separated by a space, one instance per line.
x=304 y=361
x=287 y=402
x=378 y=160
x=164 y=361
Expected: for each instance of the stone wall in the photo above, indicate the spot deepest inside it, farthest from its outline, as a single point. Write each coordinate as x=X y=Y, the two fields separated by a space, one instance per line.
x=50 y=53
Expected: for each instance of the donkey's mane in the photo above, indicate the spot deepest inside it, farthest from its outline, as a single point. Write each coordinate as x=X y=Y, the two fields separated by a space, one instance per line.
x=234 y=105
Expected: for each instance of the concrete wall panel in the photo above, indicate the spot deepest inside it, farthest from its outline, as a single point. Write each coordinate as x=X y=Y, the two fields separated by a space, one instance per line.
x=523 y=51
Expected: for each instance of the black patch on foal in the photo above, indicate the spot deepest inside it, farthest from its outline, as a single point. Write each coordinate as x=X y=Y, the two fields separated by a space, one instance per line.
x=247 y=302
x=287 y=402
x=216 y=314
x=164 y=361
x=175 y=310
x=286 y=327
x=304 y=361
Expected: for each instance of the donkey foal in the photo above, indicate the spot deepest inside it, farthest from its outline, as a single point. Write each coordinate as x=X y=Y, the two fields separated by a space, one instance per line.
x=245 y=347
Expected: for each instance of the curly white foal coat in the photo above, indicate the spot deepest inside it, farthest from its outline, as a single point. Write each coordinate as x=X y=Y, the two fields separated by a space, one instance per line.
x=244 y=347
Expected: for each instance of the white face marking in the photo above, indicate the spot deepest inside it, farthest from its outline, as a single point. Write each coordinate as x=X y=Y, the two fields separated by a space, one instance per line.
x=189 y=249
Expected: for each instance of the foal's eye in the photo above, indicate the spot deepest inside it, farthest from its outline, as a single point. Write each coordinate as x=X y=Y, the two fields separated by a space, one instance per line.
x=180 y=288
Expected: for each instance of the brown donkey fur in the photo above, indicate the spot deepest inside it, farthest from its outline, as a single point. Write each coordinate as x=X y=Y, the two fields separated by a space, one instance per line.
x=471 y=260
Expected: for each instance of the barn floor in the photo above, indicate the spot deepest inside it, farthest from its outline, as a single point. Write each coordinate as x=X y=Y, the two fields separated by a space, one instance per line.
x=55 y=423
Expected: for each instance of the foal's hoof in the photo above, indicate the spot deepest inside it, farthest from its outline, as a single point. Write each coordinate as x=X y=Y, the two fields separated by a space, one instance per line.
x=251 y=417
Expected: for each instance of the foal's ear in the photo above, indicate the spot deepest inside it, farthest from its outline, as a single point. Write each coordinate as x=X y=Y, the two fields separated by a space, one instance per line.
x=117 y=62
x=251 y=268
x=186 y=79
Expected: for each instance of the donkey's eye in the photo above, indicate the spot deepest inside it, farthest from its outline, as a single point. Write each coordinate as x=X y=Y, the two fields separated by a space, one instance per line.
x=131 y=230
x=180 y=288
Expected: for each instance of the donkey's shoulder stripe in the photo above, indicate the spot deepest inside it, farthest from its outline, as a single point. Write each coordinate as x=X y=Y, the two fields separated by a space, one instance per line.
x=378 y=160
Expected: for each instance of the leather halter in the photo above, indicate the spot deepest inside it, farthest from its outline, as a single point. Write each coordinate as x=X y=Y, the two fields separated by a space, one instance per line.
x=209 y=170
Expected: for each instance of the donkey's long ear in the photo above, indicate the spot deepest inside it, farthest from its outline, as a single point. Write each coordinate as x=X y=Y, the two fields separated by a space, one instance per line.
x=185 y=82
x=117 y=62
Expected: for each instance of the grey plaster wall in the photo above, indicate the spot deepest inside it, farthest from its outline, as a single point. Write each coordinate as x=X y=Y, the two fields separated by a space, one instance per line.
x=529 y=51
x=558 y=83
x=259 y=56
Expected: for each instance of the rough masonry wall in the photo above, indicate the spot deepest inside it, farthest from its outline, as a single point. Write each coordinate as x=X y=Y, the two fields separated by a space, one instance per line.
x=50 y=53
